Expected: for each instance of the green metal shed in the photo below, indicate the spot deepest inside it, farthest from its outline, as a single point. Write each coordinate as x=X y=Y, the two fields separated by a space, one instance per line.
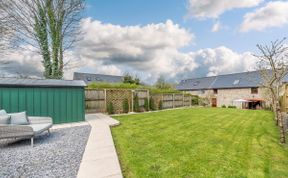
x=63 y=100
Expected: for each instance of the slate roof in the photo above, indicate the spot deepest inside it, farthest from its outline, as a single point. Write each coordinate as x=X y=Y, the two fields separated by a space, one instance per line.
x=89 y=78
x=14 y=82
x=236 y=80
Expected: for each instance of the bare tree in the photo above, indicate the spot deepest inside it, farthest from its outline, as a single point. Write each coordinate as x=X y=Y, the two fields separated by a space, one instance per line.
x=50 y=26
x=273 y=67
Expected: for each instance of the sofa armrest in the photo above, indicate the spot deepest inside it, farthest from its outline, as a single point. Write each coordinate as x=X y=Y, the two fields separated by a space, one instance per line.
x=15 y=131
x=39 y=120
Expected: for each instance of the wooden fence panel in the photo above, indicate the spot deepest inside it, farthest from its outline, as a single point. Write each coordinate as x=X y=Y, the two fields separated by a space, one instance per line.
x=178 y=97
x=97 y=99
x=167 y=101
x=142 y=95
x=94 y=94
x=187 y=100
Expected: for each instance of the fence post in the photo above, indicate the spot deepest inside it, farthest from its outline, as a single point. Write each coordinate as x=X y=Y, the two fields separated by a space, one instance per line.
x=105 y=99
x=132 y=100
x=162 y=101
x=183 y=99
x=190 y=101
x=148 y=99
x=173 y=102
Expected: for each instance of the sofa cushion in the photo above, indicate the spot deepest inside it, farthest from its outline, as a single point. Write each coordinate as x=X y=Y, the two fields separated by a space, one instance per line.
x=39 y=128
x=19 y=118
x=2 y=112
x=4 y=119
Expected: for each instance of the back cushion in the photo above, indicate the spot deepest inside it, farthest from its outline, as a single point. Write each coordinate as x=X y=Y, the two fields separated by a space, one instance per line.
x=4 y=119
x=2 y=112
x=19 y=118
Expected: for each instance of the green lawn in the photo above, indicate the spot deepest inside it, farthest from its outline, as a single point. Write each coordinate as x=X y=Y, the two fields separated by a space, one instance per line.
x=200 y=142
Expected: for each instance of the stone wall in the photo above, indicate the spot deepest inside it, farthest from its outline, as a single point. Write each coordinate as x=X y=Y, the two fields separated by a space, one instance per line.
x=227 y=96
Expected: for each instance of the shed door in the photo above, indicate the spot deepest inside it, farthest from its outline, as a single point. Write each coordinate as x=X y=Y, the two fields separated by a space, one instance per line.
x=214 y=102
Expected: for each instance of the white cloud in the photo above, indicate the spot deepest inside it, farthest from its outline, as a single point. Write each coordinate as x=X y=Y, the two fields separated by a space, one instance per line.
x=151 y=49
x=147 y=51
x=222 y=60
x=202 y=9
x=21 y=62
x=216 y=27
x=273 y=14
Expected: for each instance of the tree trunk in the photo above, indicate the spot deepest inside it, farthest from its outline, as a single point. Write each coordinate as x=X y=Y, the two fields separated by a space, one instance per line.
x=280 y=123
x=278 y=115
x=42 y=37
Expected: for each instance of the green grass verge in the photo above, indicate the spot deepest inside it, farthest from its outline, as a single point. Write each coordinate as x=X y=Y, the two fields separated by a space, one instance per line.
x=200 y=142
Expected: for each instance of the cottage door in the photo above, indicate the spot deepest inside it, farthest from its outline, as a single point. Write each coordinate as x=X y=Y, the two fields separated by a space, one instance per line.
x=214 y=102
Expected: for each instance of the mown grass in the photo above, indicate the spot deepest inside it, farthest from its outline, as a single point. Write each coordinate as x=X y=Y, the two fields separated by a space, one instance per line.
x=200 y=142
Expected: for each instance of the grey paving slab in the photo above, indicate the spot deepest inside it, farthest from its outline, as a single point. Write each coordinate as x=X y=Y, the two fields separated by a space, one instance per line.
x=100 y=159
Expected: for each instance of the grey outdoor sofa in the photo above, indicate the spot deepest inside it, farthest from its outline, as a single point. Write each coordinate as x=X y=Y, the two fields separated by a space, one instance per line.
x=34 y=126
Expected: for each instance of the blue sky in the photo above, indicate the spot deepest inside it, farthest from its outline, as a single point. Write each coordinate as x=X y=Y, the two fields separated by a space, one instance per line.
x=136 y=12
x=178 y=39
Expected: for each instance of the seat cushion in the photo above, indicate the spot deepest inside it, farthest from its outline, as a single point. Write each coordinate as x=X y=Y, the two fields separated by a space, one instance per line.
x=5 y=119
x=39 y=128
x=19 y=118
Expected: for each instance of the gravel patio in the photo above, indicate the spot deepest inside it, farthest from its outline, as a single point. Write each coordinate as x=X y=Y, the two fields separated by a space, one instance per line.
x=57 y=155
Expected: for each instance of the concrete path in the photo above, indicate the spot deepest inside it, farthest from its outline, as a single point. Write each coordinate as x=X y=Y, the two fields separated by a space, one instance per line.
x=100 y=158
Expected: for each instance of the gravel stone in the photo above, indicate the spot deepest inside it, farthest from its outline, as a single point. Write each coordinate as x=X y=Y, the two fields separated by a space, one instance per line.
x=57 y=155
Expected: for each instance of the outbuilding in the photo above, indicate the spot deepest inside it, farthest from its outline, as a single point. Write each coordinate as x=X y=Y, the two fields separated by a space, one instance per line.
x=63 y=100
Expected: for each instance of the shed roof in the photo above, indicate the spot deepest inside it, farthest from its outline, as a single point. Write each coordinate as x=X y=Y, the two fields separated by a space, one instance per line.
x=236 y=80
x=41 y=82
x=90 y=77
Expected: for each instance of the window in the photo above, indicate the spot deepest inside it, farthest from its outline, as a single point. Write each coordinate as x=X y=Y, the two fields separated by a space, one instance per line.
x=196 y=83
x=215 y=91
x=236 y=82
x=98 y=79
x=254 y=90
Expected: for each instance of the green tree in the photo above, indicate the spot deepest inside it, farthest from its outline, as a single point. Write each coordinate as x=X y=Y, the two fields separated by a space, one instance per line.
x=152 y=104
x=136 y=103
x=130 y=79
x=162 y=84
x=125 y=105
x=146 y=104
x=160 y=105
x=110 y=108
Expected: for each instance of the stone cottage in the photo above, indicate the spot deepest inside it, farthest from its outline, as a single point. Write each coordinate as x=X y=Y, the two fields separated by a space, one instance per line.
x=242 y=90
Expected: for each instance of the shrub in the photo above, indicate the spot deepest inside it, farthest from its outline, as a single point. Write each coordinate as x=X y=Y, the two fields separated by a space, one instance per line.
x=204 y=102
x=231 y=106
x=195 y=100
x=125 y=106
x=103 y=85
x=268 y=108
x=110 y=108
x=146 y=104
x=160 y=106
x=152 y=104
x=136 y=104
x=223 y=106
